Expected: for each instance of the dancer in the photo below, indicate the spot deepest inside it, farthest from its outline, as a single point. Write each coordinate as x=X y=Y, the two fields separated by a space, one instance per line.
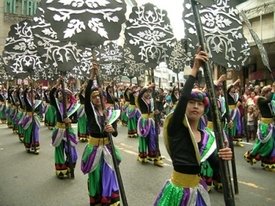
x=133 y=112
x=50 y=112
x=3 y=106
x=186 y=144
x=82 y=117
x=31 y=122
x=264 y=149
x=64 y=165
x=124 y=106
x=96 y=159
x=21 y=113
x=148 y=147
x=235 y=123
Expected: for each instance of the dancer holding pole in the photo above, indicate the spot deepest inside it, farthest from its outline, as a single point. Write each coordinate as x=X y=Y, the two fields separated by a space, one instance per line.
x=186 y=145
x=63 y=137
x=100 y=158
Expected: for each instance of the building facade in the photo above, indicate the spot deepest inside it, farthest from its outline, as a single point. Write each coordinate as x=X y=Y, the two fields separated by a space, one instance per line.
x=261 y=15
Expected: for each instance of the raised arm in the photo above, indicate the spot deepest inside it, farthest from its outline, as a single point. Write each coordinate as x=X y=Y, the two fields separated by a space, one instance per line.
x=87 y=102
x=180 y=109
x=53 y=92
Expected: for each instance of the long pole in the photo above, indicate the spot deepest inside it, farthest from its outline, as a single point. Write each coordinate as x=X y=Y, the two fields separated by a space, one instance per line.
x=116 y=167
x=230 y=139
x=225 y=173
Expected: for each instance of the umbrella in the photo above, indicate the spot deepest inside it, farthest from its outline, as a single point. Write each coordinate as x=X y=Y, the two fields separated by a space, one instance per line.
x=132 y=68
x=223 y=33
x=85 y=22
x=61 y=55
x=149 y=35
x=111 y=71
x=3 y=73
x=109 y=52
x=20 y=52
x=82 y=70
x=180 y=57
x=110 y=56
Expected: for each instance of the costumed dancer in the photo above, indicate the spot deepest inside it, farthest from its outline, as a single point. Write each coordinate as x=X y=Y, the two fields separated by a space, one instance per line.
x=159 y=100
x=50 y=112
x=110 y=98
x=210 y=172
x=235 y=123
x=9 y=109
x=82 y=117
x=97 y=159
x=14 y=110
x=3 y=106
x=185 y=143
x=132 y=112
x=31 y=122
x=124 y=117
x=40 y=109
x=264 y=148
x=148 y=148
x=21 y=113
x=65 y=154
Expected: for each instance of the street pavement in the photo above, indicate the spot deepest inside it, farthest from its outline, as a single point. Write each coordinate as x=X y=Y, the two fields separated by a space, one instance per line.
x=29 y=180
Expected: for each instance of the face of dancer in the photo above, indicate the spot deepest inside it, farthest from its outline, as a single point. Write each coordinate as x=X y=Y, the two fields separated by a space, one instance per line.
x=147 y=94
x=60 y=98
x=218 y=91
x=194 y=110
x=250 y=109
x=110 y=91
x=96 y=100
x=31 y=95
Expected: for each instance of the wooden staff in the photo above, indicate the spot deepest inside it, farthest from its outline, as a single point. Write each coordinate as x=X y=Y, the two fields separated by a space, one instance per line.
x=225 y=173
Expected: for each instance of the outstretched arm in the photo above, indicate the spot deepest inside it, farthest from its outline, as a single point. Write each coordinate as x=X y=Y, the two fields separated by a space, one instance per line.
x=179 y=112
